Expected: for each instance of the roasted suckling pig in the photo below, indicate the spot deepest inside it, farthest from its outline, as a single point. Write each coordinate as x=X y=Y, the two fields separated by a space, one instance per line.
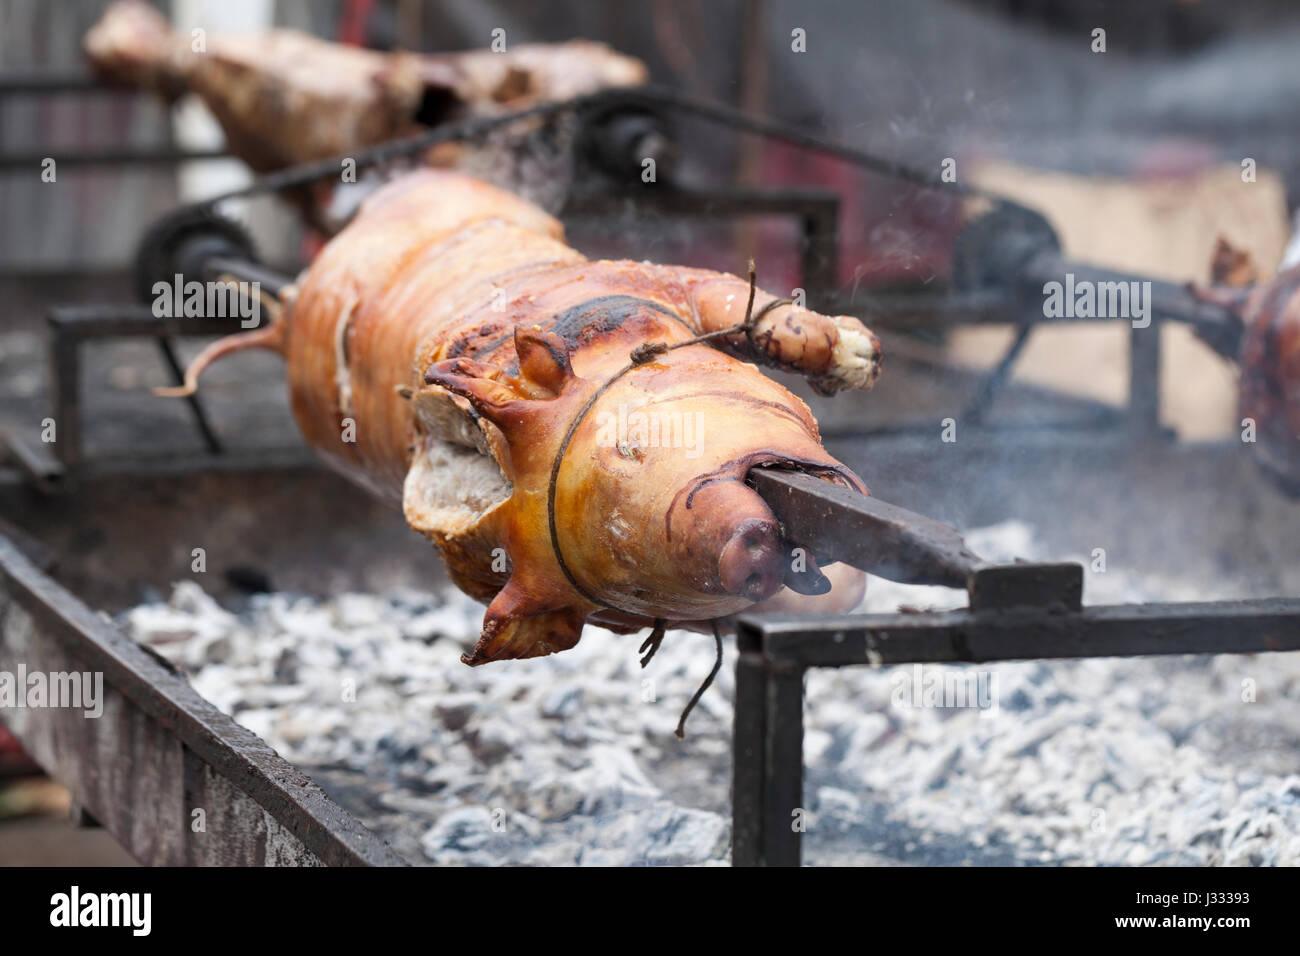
x=284 y=97
x=558 y=426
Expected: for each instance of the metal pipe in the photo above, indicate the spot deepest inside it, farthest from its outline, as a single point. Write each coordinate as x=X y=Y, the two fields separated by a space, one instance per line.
x=244 y=270
x=1219 y=325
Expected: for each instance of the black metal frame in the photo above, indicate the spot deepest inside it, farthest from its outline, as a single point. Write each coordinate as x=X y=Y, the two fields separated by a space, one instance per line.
x=73 y=327
x=84 y=84
x=818 y=213
x=775 y=653
x=1016 y=612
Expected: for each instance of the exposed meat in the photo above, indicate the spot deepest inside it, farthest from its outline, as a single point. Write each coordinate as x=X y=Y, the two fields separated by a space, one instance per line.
x=284 y=97
x=1268 y=390
x=1230 y=266
x=450 y=351
x=1270 y=374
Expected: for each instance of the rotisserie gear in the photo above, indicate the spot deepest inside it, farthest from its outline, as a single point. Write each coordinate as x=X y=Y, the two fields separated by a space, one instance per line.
x=448 y=350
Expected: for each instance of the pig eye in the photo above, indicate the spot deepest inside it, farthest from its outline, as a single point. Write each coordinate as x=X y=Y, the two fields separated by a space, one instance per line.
x=630 y=451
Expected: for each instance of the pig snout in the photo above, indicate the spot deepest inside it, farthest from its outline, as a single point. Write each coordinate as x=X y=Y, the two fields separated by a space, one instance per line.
x=751 y=564
x=727 y=540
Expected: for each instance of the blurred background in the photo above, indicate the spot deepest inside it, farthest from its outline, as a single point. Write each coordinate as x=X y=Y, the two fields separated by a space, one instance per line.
x=1134 y=154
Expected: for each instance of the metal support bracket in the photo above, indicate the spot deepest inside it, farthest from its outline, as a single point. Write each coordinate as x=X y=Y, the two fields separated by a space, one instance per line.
x=1016 y=612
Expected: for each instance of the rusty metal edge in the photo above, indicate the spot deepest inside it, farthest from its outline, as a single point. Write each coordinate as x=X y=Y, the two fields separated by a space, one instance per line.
x=238 y=755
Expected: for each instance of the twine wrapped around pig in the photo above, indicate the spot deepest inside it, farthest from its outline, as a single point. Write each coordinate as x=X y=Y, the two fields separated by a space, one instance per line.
x=451 y=352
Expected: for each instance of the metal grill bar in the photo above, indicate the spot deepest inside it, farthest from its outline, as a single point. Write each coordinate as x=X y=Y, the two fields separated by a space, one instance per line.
x=134 y=157
x=1121 y=630
x=44 y=82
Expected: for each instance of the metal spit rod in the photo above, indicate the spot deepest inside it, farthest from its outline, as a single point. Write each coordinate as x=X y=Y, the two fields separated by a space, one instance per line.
x=839 y=524
x=1220 y=326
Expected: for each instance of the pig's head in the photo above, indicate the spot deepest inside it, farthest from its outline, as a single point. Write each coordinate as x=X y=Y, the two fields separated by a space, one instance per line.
x=629 y=501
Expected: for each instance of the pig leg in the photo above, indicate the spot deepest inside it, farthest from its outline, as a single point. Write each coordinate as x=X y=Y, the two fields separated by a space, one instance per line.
x=516 y=626
x=834 y=352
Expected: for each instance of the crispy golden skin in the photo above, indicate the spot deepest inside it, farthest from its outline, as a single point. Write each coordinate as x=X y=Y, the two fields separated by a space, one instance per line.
x=447 y=349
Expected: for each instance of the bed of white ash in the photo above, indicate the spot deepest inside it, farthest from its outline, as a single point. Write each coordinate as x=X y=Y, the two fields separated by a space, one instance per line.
x=571 y=759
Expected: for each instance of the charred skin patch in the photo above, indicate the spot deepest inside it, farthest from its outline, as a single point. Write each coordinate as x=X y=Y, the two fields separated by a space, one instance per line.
x=596 y=317
x=578 y=326
x=474 y=339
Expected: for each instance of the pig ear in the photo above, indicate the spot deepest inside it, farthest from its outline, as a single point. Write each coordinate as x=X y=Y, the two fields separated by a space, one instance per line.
x=544 y=372
x=517 y=625
x=492 y=396
x=543 y=360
